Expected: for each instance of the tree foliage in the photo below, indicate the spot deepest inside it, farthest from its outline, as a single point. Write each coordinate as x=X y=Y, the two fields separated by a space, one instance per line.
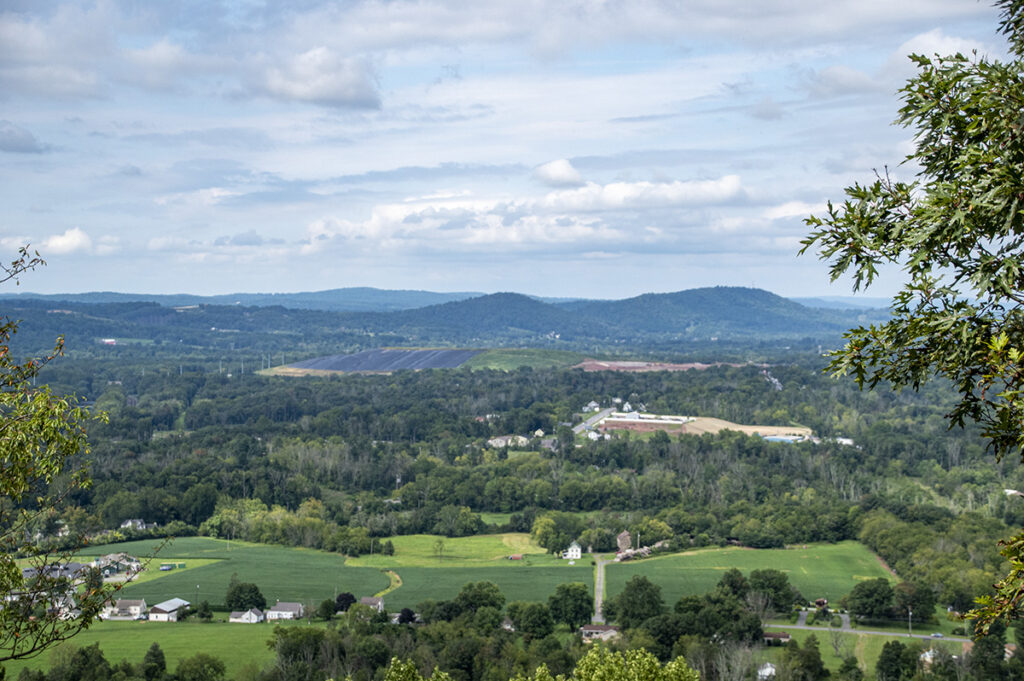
x=957 y=230
x=42 y=450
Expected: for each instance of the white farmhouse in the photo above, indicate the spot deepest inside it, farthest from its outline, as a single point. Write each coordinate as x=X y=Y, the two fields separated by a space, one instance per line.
x=250 y=616
x=574 y=552
x=285 y=611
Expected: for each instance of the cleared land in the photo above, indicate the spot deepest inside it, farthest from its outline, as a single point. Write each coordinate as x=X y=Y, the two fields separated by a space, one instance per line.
x=288 y=574
x=693 y=425
x=482 y=550
x=382 y=361
x=509 y=359
x=633 y=366
x=818 y=571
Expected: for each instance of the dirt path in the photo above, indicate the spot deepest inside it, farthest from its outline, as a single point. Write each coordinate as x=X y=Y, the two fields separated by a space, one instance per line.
x=598 y=589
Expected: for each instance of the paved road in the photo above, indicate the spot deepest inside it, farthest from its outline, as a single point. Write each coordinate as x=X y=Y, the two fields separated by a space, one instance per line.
x=598 y=588
x=865 y=631
x=589 y=423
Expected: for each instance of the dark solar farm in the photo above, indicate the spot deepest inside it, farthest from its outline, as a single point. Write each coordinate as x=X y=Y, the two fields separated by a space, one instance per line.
x=389 y=360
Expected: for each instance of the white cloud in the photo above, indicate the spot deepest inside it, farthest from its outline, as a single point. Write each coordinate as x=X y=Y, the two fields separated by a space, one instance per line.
x=558 y=173
x=70 y=241
x=792 y=209
x=621 y=195
x=323 y=76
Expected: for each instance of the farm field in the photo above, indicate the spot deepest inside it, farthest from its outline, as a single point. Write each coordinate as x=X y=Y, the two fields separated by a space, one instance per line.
x=288 y=574
x=482 y=550
x=520 y=583
x=236 y=644
x=818 y=571
x=384 y=360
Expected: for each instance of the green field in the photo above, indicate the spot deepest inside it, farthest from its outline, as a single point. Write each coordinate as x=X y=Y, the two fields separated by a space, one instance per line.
x=818 y=571
x=282 y=573
x=509 y=359
x=482 y=550
x=235 y=644
x=521 y=583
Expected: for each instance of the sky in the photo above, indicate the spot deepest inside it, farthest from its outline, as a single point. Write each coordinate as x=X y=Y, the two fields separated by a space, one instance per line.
x=573 y=148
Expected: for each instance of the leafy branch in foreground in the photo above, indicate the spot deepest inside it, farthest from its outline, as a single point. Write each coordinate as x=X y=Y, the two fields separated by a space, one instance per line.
x=957 y=230
x=47 y=598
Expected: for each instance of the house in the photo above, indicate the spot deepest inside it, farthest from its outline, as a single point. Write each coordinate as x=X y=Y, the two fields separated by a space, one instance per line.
x=373 y=602
x=598 y=632
x=507 y=441
x=126 y=609
x=285 y=611
x=776 y=638
x=168 y=610
x=766 y=671
x=574 y=552
x=516 y=556
x=507 y=625
x=624 y=541
x=250 y=616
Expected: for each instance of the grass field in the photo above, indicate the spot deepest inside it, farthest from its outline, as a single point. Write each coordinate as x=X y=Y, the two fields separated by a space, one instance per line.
x=235 y=644
x=509 y=359
x=819 y=571
x=521 y=583
x=288 y=574
x=483 y=550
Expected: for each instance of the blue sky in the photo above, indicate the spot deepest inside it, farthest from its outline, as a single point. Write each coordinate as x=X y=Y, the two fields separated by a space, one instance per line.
x=563 y=148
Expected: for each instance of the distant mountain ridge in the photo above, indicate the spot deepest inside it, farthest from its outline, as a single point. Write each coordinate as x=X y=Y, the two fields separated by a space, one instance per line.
x=498 y=319
x=354 y=299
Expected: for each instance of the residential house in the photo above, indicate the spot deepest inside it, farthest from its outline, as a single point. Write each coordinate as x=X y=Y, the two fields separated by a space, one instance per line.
x=598 y=632
x=168 y=611
x=776 y=638
x=374 y=602
x=126 y=609
x=574 y=552
x=250 y=616
x=624 y=541
x=285 y=611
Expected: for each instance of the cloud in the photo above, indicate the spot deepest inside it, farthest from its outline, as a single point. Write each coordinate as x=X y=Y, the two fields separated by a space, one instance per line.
x=322 y=76
x=623 y=195
x=564 y=217
x=70 y=241
x=767 y=109
x=558 y=173
x=18 y=140
x=792 y=209
x=839 y=81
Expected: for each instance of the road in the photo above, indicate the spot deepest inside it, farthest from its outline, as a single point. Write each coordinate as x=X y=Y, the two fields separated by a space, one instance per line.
x=598 y=588
x=848 y=630
x=589 y=423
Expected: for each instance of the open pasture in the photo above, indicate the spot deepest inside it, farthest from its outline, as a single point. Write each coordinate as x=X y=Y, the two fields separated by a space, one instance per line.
x=236 y=644
x=483 y=550
x=521 y=583
x=288 y=574
x=818 y=571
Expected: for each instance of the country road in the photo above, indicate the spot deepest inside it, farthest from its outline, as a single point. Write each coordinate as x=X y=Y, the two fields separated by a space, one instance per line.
x=598 y=588
x=591 y=421
x=873 y=632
